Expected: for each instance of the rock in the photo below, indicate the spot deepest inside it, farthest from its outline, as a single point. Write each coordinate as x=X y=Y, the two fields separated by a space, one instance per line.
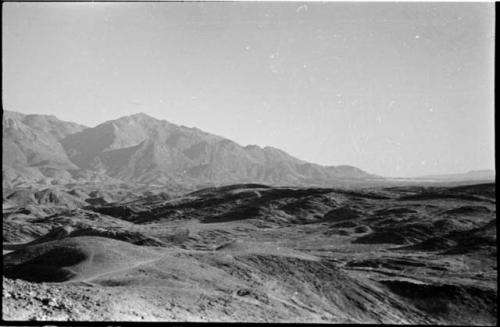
x=243 y=292
x=49 y=302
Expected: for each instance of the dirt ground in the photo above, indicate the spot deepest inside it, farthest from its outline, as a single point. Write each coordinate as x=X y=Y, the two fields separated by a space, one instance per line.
x=251 y=253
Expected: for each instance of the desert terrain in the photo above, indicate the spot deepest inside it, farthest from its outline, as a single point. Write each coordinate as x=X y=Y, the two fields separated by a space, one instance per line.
x=251 y=253
x=248 y=162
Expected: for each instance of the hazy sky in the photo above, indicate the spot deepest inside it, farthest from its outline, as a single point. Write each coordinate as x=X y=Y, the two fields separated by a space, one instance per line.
x=397 y=89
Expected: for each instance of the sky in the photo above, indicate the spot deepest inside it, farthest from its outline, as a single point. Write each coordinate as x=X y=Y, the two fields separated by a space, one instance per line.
x=396 y=89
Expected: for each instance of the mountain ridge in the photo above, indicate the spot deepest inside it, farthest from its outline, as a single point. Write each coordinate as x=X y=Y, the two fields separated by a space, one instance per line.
x=142 y=149
x=476 y=174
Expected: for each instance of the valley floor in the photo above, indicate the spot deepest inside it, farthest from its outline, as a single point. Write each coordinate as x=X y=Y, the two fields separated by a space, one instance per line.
x=251 y=253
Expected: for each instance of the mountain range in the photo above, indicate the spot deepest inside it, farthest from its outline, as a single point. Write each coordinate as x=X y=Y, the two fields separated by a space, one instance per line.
x=484 y=174
x=139 y=149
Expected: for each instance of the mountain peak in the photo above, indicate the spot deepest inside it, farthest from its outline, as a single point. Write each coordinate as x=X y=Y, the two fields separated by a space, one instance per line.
x=142 y=149
x=142 y=115
x=140 y=118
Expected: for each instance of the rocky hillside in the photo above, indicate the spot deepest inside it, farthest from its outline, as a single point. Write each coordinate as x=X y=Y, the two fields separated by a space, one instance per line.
x=254 y=253
x=31 y=148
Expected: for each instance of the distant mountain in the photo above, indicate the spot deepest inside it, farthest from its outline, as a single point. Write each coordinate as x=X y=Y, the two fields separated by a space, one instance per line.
x=474 y=175
x=30 y=146
x=32 y=152
x=50 y=124
x=142 y=149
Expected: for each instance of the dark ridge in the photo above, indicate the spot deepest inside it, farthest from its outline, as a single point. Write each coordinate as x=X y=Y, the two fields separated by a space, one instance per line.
x=466 y=210
x=432 y=244
x=434 y=196
x=247 y=212
x=210 y=202
x=464 y=304
x=346 y=224
x=116 y=211
x=367 y=195
x=394 y=211
x=486 y=189
x=460 y=242
x=361 y=229
x=383 y=237
x=227 y=188
x=342 y=213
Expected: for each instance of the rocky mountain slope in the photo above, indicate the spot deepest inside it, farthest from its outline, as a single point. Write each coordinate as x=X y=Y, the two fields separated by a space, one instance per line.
x=32 y=150
x=139 y=149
